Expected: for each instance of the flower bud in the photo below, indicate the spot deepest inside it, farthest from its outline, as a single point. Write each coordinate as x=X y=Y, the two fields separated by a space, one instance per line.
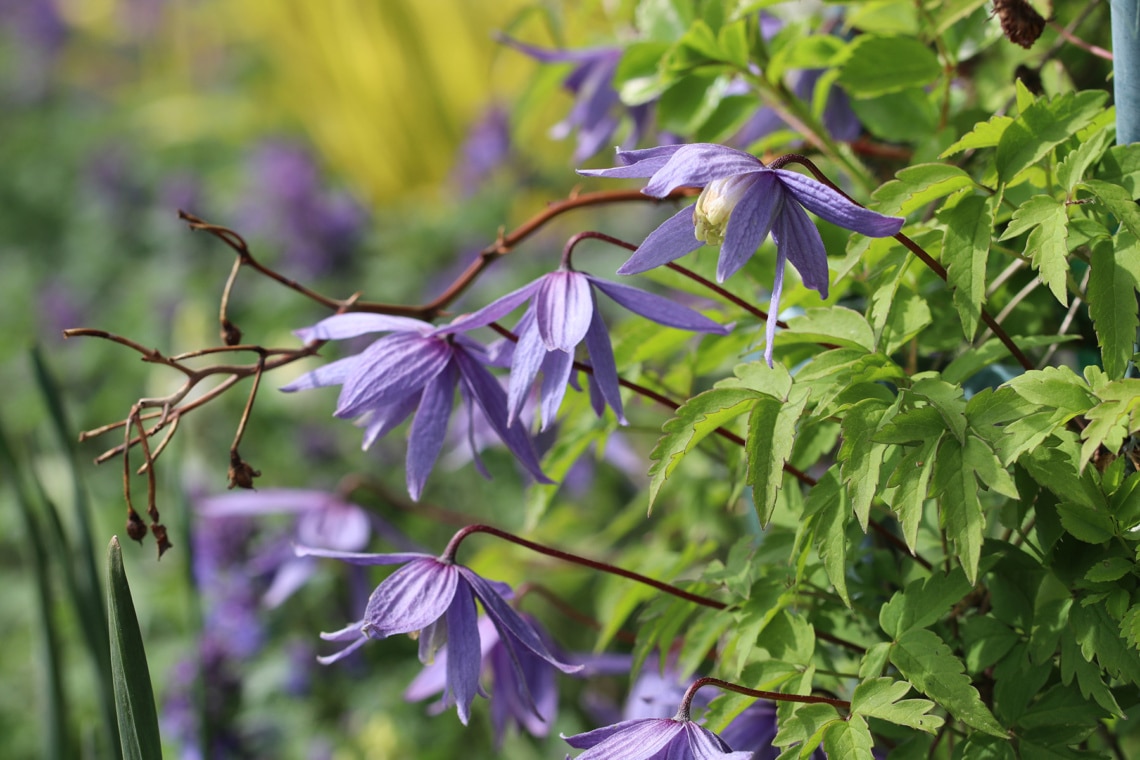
x=715 y=205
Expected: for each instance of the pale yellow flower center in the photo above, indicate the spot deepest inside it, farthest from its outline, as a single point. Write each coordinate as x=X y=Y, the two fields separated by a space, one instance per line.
x=714 y=206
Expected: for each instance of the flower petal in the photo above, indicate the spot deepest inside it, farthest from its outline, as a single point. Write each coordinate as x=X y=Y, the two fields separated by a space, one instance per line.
x=628 y=740
x=797 y=236
x=361 y=558
x=512 y=628
x=672 y=240
x=555 y=376
x=341 y=326
x=661 y=310
x=705 y=745
x=774 y=306
x=390 y=370
x=417 y=594
x=333 y=373
x=698 y=164
x=425 y=439
x=464 y=657
x=636 y=163
x=750 y=223
x=605 y=369
x=528 y=357
x=829 y=205
x=265 y=502
x=495 y=310
x=379 y=422
x=562 y=309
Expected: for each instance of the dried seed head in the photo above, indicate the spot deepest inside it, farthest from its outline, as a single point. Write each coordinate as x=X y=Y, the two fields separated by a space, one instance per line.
x=1020 y=21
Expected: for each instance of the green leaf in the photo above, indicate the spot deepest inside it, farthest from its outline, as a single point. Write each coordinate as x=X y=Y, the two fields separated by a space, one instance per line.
x=1111 y=296
x=912 y=426
x=925 y=660
x=1042 y=126
x=1088 y=152
x=1118 y=201
x=831 y=324
x=923 y=602
x=1130 y=626
x=805 y=723
x=849 y=739
x=957 y=490
x=914 y=187
x=771 y=437
x=965 y=250
x=986 y=640
x=1093 y=526
x=1110 y=569
x=883 y=698
x=826 y=514
x=874 y=65
x=695 y=419
x=909 y=115
x=985 y=134
x=909 y=486
x=946 y=399
x=1121 y=166
x=1098 y=636
x=1056 y=387
x=134 y=697
x=860 y=458
x=1047 y=246
x=1116 y=416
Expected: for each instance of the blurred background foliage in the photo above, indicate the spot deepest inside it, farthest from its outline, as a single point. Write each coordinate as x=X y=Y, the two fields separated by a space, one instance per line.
x=332 y=136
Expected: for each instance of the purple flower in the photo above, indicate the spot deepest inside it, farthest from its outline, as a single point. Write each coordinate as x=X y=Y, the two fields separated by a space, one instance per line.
x=563 y=312
x=435 y=597
x=486 y=148
x=323 y=519
x=741 y=203
x=525 y=691
x=416 y=368
x=675 y=738
x=596 y=106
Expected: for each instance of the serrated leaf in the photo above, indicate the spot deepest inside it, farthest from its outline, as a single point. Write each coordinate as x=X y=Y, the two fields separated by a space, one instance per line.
x=1116 y=416
x=134 y=696
x=771 y=437
x=837 y=325
x=956 y=487
x=849 y=740
x=1088 y=152
x=913 y=425
x=1118 y=201
x=826 y=512
x=874 y=65
x=925 y=660
x=1042 y=126
x=1047 y=245
x=1121 y=166
x=806 y=722
x=1111 y=296
x=1056 y=387
x=1087 y=524
x=1098 y=636
x=909 y=487
x=883 y=698
x=985 y=134
x=965 y=250
x=916 y=186
x=860 y=458
x=979 y=457
x=693 y=421
x=923 y=602
x=986 y=640
x=1130 y=626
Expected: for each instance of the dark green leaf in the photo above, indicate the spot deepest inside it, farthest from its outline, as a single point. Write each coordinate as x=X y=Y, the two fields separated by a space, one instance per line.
x=134 y=697
x=986 y=641
x=874 y=65
x=957 y=490
x=771 y=436
x=1121 y=166
x=1111 y=297
x=923 y=602
x=1118 y=202
x=827 y=512
x=909 y=487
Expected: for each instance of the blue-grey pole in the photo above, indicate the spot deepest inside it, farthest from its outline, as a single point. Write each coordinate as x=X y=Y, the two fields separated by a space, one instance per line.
x=1126 y=69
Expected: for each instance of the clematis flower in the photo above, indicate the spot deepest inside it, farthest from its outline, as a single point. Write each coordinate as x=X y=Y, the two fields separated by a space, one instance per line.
x=741 y=202
x=434 y=598
x=563 y=312
x=524 y=690
x=416 y=368
x=676 y=738
x=595 y=114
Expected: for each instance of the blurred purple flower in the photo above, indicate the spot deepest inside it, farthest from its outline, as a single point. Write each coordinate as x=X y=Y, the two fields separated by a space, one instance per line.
x=563 y=312
x=741 y=203
x=317 y=228
x=435 y=597
x=417 y=367
x=838 y=118
x=486 y=149
x=323 y=519
x=524 y=687
x=596 y=109
x=676 y=738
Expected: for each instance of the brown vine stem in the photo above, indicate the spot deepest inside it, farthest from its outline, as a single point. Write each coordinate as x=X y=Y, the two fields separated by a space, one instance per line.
x=683 y=710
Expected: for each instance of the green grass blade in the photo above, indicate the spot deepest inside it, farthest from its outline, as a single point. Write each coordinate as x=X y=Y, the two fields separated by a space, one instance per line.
x=134 y=697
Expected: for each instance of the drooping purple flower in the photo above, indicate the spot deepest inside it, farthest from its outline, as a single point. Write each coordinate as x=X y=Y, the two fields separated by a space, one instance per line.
x=676 y=738
x=324 y=519
x=523 y=692
x=415 y=368
x=563 y=312
x=486 y=148
x=435 y=597
x=597 y=107
x=742 y=201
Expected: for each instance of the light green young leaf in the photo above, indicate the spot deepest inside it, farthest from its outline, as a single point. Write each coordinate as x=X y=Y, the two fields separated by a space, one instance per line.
x=956 y=487
x=985 y=134
x=979 y=457
x=1042 y=126
x=916 y=186
x=1117 y=201
x=1047 y=245
x=909 y=315
x=1121 y=166
x=849 y=739
x=925 y=660
x=1088 y=152
x=1116 y=416
x=874 y=65
x=695 y=419
x=965 y=249
x=1055 y=387
x=860 y=457
x=1111 y=295
x=883 y=698
x=805 y=723
x=134 y=696
x=830 y=324
x=771 y=437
